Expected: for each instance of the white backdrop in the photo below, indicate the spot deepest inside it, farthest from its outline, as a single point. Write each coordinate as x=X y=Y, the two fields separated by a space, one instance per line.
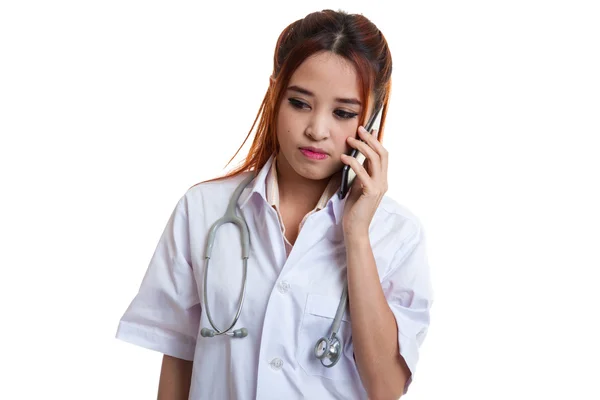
x=110 y=111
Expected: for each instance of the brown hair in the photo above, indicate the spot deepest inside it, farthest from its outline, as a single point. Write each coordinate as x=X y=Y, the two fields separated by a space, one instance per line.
x=351 y=36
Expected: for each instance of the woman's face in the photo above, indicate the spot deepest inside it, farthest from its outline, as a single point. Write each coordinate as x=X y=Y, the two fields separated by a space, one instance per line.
x=319 y=110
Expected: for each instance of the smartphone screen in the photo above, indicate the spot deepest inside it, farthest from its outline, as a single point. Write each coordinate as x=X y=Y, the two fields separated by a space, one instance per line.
x=348 y=174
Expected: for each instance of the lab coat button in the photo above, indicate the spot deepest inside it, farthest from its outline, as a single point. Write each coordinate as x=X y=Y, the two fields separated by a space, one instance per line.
x=284 y=286
x=276 y=364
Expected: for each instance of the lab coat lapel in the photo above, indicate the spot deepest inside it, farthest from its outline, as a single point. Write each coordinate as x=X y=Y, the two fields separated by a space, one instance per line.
x=323 y=228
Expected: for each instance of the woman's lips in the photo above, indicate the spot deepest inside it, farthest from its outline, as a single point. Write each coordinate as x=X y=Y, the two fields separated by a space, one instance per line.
x=313 y=155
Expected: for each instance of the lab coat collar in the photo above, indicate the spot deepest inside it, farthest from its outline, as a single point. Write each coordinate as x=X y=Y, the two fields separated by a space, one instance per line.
x=258 y=184
x=335 y=205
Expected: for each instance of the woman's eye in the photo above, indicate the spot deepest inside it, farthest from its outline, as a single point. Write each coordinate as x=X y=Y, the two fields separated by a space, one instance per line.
x=303 y=106
x=298 y=104
x=345 y=114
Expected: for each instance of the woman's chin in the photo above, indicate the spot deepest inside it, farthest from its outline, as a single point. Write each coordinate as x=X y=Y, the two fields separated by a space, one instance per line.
x=315 y=173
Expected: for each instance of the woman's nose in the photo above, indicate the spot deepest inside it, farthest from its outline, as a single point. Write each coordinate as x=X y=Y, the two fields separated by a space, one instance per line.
x=318 y=128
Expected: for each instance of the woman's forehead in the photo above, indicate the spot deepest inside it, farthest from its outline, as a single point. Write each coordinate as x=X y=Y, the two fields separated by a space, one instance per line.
x=327 y=74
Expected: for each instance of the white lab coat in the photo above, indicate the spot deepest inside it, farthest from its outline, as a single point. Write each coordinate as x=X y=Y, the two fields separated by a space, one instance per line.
x=290 y=303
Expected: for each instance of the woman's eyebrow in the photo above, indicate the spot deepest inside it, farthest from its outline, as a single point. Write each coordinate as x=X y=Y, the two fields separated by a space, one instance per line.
x=298 y=89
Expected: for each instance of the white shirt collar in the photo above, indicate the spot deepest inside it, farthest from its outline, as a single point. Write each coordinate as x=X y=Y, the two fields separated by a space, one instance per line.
x=259 y=186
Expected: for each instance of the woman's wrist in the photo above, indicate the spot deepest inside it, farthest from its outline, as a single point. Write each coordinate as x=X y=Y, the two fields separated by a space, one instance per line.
x=356 y=237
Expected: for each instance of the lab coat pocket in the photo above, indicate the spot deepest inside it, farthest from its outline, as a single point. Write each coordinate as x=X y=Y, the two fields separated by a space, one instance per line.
x=317 y=321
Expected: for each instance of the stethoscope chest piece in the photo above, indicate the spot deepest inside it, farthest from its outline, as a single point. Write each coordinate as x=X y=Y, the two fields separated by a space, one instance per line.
x=328 y=350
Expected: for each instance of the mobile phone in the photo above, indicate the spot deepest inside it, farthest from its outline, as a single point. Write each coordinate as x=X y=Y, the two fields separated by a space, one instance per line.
x=348 y=174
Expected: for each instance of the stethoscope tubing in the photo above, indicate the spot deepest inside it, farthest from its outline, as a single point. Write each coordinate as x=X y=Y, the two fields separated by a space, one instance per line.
x=229 y=217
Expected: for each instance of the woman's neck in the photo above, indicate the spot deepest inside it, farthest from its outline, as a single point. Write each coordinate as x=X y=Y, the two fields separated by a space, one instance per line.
x=295 y=190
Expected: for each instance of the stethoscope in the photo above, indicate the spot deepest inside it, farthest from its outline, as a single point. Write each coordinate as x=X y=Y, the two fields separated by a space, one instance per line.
x=327 y=349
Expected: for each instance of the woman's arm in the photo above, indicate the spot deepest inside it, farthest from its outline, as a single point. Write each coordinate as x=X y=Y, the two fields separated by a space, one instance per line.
x=175 y=379
x=374 y=330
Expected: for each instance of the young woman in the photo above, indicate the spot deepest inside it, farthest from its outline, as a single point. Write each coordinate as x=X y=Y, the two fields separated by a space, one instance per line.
x=309 y=252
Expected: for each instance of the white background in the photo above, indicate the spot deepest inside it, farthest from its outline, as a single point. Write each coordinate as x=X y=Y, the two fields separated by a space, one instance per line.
x=110 y=111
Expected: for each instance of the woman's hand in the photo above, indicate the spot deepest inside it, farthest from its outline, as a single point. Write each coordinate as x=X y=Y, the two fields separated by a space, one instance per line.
x=369 y=186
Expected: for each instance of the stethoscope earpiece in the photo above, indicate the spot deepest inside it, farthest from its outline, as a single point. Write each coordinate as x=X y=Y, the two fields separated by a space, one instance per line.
x=239 y=333
x=205 y=332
